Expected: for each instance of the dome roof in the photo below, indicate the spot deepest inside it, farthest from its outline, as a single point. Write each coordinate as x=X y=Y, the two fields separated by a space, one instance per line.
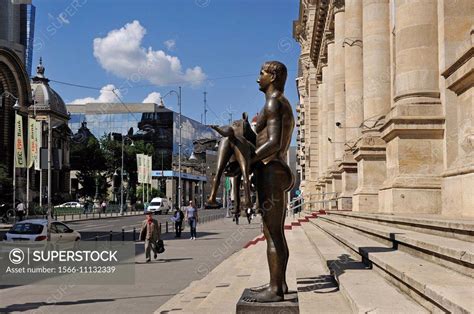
x=44 y=97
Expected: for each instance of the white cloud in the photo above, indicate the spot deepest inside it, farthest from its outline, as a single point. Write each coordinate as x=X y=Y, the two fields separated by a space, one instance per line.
x=170 y=44
x=153 y=97
x=106 y=95
x=121 y=53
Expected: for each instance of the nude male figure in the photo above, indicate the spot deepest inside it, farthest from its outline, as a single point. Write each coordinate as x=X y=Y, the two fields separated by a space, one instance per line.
x=274 y=179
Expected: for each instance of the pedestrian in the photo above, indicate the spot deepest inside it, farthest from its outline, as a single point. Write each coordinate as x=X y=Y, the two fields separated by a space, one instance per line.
x=192 y=217
x=150 y=233
x=20 y=210
x=178 y=222
x=249 y=214
x=104 y=206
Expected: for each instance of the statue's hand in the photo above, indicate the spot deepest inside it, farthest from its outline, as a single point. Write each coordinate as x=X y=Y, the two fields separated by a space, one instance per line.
x=225 y=131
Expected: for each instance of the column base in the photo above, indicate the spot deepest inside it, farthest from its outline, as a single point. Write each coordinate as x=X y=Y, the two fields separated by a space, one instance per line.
x=409 y=200
x=371 y=172
x=365 y=202
x=344 y=203
x=456 y=192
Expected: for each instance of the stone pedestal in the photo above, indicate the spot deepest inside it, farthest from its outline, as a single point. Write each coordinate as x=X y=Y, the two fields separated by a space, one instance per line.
x=371 y=173
x=327 y=189
x=348 y=169
x=414 y=162
x=336 y=184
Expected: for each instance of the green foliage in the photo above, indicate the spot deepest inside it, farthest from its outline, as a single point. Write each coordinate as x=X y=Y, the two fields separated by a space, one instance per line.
x=153 y=193
x=88 y=158
x=113 y=156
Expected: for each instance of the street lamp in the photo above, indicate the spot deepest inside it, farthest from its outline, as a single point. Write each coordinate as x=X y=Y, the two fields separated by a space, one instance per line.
x=193 y=157
x=178 y=94
x=16 y=107
x=124 y=137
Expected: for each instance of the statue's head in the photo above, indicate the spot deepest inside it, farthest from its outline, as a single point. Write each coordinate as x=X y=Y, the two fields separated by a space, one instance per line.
x=272 y=72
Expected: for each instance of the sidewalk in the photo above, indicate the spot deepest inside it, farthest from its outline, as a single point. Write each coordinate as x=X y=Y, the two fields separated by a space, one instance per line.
x=183 y=262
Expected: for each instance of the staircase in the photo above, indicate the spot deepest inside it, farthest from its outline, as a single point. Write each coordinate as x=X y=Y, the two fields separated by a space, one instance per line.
x=425 y=258
x=346 y=262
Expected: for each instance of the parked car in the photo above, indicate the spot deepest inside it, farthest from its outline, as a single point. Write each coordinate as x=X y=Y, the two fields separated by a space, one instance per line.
x=159 y=205
x=70 y=204
x=37 y=230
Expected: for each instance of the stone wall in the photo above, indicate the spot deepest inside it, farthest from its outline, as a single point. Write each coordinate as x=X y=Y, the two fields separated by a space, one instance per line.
x=391 y=128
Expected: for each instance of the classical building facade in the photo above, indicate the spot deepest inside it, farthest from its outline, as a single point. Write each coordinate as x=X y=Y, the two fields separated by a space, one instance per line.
x=385 y=118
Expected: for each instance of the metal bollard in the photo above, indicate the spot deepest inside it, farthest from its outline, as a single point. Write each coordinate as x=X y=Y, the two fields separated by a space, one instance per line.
x=123 y=234
x=99 y=215
x=166 y=227
x=134 y=231
x=72 y=217
x=160 y=228
x=110 y=235
x=96 y=238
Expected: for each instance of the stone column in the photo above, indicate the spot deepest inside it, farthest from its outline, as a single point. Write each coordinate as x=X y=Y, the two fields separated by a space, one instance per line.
x=413 y=130
x=323 y=143
x=370 y=150
x=339 y=99
x=332 y=171
x=339 y=77
x=330 y=101
x=354 y=110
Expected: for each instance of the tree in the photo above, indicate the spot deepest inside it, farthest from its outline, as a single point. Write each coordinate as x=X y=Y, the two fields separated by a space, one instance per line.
x=153 y=193
x=88 y=158
x=112 y=148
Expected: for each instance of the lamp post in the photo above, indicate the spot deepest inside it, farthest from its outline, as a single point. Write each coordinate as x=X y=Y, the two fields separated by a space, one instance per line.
x=194 y=158
x=16 y=108
x=178 y=94
x=124 y=137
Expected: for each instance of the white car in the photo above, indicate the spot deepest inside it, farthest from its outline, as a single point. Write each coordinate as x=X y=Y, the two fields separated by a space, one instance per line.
x=70 y=204
x=37 y=230
x=159 y=205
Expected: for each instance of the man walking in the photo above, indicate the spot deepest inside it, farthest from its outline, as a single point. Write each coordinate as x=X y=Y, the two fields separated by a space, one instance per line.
x=192 y=217
x=20 y=211
x=178 y=222
x=150 y=234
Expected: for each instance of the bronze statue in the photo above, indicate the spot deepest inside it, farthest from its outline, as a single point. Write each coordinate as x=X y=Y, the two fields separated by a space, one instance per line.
x=235 y=152
x=274 y=179
x=238 y=157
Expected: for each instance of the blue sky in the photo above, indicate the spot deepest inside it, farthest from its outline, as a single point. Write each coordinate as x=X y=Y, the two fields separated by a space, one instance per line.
x=213 y=39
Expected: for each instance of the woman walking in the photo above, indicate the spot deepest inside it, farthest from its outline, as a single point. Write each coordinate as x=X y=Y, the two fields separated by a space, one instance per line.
x=192 y=217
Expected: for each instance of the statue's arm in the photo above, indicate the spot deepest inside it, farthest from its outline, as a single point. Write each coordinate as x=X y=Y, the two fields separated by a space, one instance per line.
x=272 y=117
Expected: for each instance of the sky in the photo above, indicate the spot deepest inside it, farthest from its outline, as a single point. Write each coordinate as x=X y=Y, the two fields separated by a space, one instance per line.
x=145 y=48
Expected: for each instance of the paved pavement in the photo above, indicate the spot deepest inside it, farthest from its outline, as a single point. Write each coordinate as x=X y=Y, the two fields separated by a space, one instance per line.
x=183 y=262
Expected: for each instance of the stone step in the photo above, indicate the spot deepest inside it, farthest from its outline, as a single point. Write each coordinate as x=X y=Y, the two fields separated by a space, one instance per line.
x=364 y=288
x=462 y=229
x=175 y=304
x=434 y=286
x=209 y=283
x=317 y=289
x=229 y=288
x=453 y=253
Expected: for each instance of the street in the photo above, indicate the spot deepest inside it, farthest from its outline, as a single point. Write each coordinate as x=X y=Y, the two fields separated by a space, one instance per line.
x=183 y=262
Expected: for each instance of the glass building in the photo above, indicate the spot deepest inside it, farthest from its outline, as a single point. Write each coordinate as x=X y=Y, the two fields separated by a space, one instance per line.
x=153 y=124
